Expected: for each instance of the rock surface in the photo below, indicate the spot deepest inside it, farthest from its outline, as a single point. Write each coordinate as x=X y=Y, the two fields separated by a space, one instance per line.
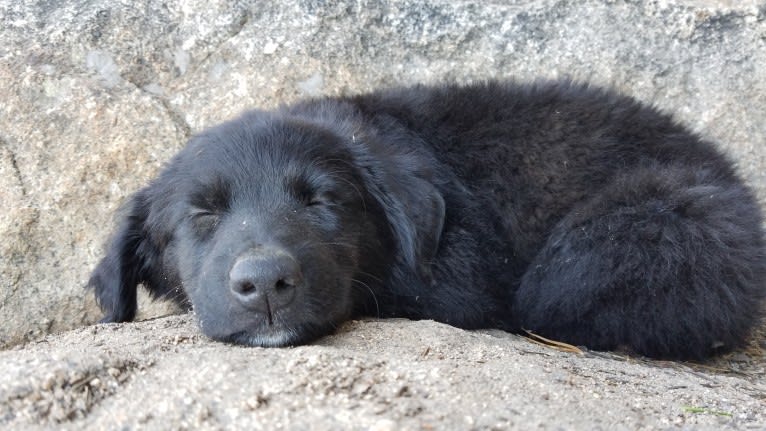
x=377 y=375
x=96 y=95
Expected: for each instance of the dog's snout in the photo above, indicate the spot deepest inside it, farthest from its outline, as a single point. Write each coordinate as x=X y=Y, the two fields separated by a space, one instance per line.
x=265 y=281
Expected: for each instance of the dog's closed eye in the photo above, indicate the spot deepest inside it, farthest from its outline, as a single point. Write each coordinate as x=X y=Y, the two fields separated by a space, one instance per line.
x=322 y=199
x=204 y=220
x=310 y=194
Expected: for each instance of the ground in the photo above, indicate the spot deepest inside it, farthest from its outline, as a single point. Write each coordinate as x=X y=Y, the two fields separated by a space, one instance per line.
x=373 y=374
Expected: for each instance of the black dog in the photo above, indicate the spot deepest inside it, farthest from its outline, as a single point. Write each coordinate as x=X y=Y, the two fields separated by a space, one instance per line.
x=573 y=212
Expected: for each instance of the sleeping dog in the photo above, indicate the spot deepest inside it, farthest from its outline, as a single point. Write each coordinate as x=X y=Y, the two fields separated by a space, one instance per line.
x=556 y=207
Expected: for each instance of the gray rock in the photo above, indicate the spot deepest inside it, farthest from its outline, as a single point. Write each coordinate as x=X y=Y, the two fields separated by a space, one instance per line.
x=96 y=95
x=381 y=375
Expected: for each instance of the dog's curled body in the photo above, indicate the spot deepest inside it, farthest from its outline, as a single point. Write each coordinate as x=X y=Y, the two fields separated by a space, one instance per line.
x=567 y=210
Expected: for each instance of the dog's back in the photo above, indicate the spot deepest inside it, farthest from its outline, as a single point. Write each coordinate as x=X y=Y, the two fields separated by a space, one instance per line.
x=623 y=227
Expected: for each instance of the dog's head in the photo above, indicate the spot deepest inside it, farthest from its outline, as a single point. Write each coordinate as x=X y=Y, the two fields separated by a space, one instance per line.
x=274 y=229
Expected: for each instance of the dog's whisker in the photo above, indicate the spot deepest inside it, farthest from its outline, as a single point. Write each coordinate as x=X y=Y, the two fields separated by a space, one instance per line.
x=356 y=188
x=367 y=274
x=372 y=293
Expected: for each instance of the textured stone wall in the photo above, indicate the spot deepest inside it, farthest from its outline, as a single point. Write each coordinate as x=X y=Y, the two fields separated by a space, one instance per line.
x=94 y=96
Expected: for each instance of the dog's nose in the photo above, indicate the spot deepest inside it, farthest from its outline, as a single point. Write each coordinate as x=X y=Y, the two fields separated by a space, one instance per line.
x=265 y=281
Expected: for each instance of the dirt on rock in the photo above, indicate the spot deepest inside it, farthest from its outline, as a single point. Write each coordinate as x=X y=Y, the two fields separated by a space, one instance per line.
x=372 y=374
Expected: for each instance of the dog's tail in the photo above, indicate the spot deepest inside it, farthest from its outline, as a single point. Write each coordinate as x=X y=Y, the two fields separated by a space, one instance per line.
x=667 y=261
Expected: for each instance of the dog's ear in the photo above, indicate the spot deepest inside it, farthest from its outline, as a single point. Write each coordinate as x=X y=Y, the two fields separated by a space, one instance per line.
x=133 y=257
x=416 y=215
x=402 y=181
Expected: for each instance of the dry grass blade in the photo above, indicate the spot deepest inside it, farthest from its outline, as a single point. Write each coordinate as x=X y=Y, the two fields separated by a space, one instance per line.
x=558 y=345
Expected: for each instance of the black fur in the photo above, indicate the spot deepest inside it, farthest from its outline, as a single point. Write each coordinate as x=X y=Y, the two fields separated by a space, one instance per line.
x=573 y=212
